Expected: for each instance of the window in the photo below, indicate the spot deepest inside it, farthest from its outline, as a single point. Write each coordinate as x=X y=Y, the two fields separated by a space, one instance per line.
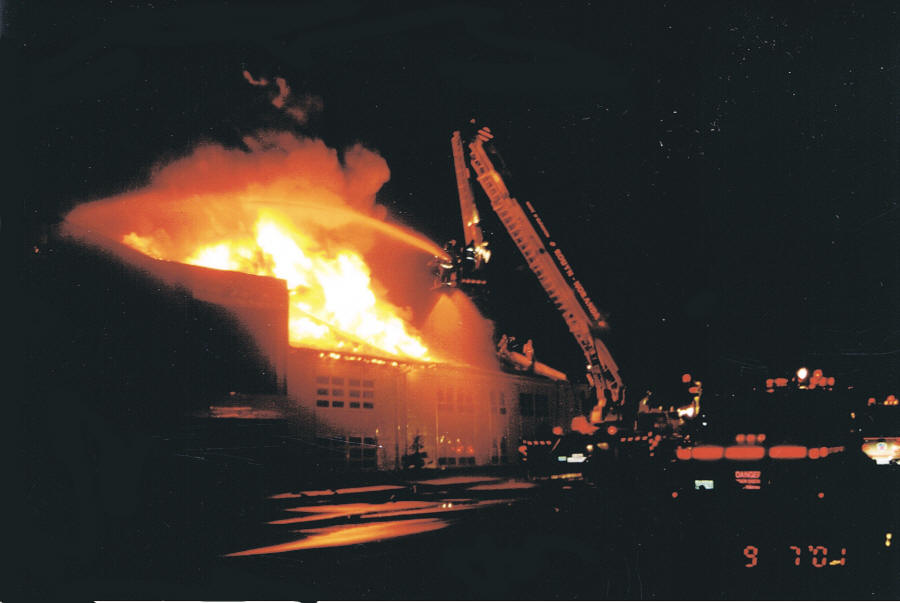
x=368 y=405
x=368 y=394
x=337 y=380
x=322 y=403
x=541 y=406
x=353 y=382
x=337 y=392
x=354 y=405
x=362 y=452
x=526 y=404
x=322 y=391
x=368 y=383
x=322 y=379
x=337 y=404
x=331 y=452
x=502 y=411
x=355 y=448
x=354 y=393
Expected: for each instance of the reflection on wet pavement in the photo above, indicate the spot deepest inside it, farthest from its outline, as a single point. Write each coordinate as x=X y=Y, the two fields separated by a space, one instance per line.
x=445 y=507
x=366 y=518
x=357 y=508
x=359 y=490
x=511 y=484
x=323 y=512
x=456 y=480
x=346 y=534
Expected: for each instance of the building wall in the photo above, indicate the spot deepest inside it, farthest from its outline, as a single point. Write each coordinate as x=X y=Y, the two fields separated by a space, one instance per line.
x=259 y=303
x=366 y=413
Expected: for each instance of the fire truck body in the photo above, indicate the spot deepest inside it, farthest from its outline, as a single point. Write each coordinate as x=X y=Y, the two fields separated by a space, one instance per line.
x=548 y=263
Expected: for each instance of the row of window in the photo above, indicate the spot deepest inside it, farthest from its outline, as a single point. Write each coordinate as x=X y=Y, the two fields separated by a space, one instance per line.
x=533 y=405
x=340 y=404
x=324 y=379
x=353 y=393
x=340 y=452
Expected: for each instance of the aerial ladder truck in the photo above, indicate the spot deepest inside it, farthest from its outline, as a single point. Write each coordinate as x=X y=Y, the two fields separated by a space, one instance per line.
x=545 y=259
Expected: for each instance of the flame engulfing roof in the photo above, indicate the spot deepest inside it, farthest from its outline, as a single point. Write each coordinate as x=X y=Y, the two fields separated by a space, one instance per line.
x=291 y=209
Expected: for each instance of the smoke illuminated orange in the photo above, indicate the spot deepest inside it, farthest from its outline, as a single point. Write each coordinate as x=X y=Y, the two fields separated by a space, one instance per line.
x=290 y=209
x=331 y=299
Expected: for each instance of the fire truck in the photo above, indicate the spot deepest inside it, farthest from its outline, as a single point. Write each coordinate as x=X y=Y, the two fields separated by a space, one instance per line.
x=544 y=257
x=606 y=435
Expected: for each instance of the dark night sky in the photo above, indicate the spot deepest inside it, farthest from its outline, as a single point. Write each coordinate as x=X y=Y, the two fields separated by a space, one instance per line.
x=722 y=177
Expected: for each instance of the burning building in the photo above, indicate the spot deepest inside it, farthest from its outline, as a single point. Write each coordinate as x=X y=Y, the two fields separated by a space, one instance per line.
x=376 y=365
x=372 y=412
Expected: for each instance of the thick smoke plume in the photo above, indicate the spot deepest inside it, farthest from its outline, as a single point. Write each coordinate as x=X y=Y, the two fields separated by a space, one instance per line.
x=216 y=192
x=326 y=200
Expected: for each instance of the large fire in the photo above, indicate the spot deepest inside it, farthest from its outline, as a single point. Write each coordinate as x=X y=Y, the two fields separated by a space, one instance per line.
x=289 y=209
x=331 y=299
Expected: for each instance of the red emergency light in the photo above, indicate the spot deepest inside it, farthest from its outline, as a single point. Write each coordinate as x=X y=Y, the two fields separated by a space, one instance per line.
x=745 y=453
x=787 y=451
x=707 y=453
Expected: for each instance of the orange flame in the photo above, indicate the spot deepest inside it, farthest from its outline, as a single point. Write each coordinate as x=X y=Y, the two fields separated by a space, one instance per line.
x=331 y=298
x=330 y=293
x=289 y=209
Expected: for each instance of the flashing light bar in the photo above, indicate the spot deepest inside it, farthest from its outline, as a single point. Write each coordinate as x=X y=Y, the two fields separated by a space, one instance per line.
x=707 y=453
x=787 y=451
x=746 y=452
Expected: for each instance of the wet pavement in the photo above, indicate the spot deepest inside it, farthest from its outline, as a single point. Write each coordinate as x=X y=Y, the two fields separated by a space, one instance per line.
x=490 y=537
x=482 y=536
x=425 y=505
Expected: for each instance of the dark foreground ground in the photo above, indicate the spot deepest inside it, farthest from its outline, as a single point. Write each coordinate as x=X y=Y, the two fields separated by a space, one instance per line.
x=471 y=536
